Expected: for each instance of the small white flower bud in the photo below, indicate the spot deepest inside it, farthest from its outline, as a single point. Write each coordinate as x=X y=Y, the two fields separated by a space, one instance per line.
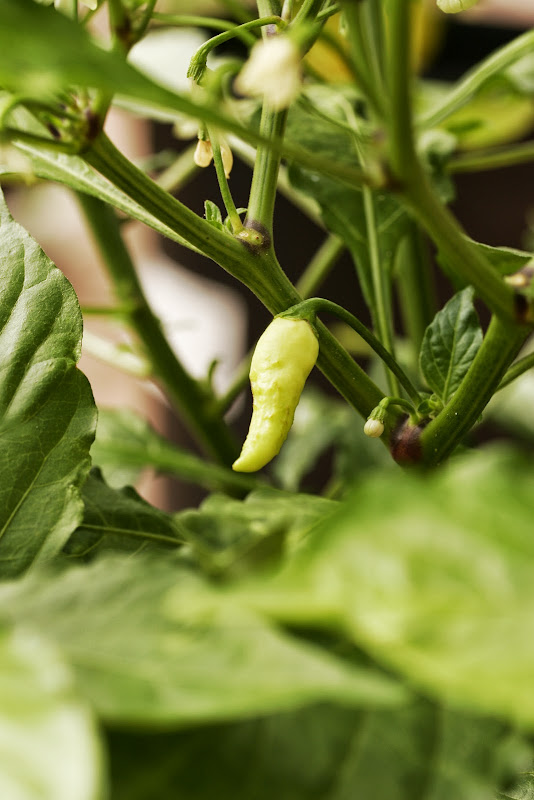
x=203 y=153
x=272 y=71
x=373 y=428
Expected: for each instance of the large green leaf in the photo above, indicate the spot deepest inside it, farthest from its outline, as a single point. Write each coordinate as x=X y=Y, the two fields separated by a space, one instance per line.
x=450 y=344
x=48 y=742
x=47 y=413
x=119 y=520
x=423 y=752
x=433 y=576
x=231 y=536
x=42 y=52
x=151 y=643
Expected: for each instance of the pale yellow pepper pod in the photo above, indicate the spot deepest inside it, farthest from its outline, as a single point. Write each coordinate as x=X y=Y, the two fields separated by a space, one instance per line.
x=284 y=357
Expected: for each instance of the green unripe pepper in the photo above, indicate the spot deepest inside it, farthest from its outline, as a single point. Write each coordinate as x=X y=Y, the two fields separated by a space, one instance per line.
x=283 y=359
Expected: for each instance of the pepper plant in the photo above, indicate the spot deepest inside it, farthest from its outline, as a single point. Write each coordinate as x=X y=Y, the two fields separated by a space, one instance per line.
x=370 y=638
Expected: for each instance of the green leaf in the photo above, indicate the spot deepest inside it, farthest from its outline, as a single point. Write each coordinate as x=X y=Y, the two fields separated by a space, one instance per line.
x=48 y=742
x=433 y=577
x=493 y=118
x=213 y=214
x=125 y=444
x=41 y=52
x=231 y=536
x=47 y=413
x=152 y=644
x=450 y=344
x=119 y=520
x=342 y=208
x=506 y=260
x=524 y=790
x=422 y=752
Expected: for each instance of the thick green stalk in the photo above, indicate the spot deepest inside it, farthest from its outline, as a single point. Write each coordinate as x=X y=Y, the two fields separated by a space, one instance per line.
x=414 y=184
x=360 y=55
x=260 y=272
x=371 y=24
x=499 y=348
x=265 y=176
x=414 y=286
x=216 y=244
x=188 y=396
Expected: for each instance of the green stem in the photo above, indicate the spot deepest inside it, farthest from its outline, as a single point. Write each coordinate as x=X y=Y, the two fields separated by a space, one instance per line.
x=308 y=11
x=475 y=78
x=268 y=8
x=218 y=245
x=142 y=25
x=318 y=304
x=247 y=154
x=328 y=12
x=213 y=23
x=114 y=355
x=312 y=278
x=415 y=288
x=180 y=172
x=373 y=39
x=265 y=175
x=463 y=258
x=226 y=194
x=360 y=55
x=321 y=265
x=198 y=62
x=260 y=272
x=499 y=348
x=494 y=158
x=382 y=306
x=187 y=395
x=516 y=370
x=396 y=401
x=186 y=466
